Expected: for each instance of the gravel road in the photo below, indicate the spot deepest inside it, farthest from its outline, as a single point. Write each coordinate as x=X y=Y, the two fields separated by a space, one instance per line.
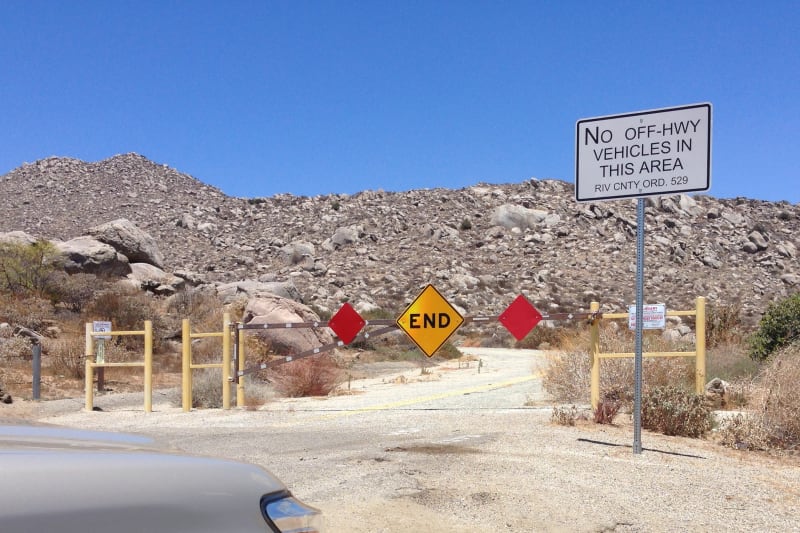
x=470 y=449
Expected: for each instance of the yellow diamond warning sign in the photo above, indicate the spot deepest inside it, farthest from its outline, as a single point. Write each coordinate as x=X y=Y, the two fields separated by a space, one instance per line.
x=430 y=320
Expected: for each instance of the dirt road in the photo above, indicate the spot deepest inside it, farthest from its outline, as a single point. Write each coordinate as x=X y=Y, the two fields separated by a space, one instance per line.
x=471 y=449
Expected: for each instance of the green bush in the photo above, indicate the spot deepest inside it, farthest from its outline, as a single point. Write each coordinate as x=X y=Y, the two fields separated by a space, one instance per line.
x=674 y=411
x=27 y=269
x=779 y=327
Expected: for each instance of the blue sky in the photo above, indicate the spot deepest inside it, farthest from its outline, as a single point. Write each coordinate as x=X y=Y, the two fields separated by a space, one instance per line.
x=317 y=97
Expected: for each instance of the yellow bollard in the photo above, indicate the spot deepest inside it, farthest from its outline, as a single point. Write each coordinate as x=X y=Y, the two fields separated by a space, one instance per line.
x=89 y=377
x=594 y=350
x=240 y=385
x=148 y=366
x=700 y=346
x=226 y=361
x=186 y=360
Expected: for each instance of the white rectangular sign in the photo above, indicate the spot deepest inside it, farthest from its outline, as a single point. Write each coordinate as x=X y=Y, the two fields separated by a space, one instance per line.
x=646 y=153
x=655 y=316
x=101 y=327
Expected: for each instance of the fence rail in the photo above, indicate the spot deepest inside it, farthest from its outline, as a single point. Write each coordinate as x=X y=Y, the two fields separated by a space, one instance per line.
x=699 y=353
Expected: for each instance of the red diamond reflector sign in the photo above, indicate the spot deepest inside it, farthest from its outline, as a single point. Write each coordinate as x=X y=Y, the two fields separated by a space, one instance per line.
x=346 y=323
x=520 y=317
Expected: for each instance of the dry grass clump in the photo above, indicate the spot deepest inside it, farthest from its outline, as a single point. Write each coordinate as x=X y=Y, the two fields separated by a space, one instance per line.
x=774 y=422
x=313 y=376
x=564 y=416
x=730 y=361
x=15 y=348
x=568 y=376
x=67 y=356
x=724 y=325
x=207 y=389
x=608 y=406
x=30 y=312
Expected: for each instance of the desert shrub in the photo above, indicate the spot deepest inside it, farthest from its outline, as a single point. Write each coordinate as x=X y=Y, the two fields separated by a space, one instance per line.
x=15 y=348
x=780 y=326
x=313 y=376
x=27 y=269
x=567 y=377
x=675 y=411
x=29 y=312
x=774 y=419
x=198 y=305
x=207 y=389
x=74 y=291
x=609 y=405
x=66 y=356
x=564 y=416
x=744 y=432
x=543 y=338
x=448 y=351
x=204 y=309
x=256 y=394
x=723 y=324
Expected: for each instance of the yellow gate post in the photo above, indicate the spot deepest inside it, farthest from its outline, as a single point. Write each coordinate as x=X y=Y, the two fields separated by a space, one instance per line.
x=89 y=374
x=700 y=345
x=186 y=360
x=240 y=383
x=148 y=366
x=226 y=361
x=594 y=351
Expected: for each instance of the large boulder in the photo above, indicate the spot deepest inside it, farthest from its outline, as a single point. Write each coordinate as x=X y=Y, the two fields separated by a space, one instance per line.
x=718 y=393
x=90 y=256
x=249 y=288
x=516 y=216
x=135 y=244
x=272 y=309
x=17 y=237
x=151 y=278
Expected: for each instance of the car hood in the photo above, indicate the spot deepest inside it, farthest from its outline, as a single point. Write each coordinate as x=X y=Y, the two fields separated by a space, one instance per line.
x=101 y=481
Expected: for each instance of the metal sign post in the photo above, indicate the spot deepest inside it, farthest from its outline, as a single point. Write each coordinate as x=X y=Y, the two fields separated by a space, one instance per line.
x=637 y=359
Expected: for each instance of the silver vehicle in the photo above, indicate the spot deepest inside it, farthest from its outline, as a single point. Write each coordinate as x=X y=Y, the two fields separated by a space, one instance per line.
x=75 y=481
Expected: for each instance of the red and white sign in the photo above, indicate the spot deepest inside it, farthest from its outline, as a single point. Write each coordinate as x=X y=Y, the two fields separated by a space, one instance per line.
x=655 y=316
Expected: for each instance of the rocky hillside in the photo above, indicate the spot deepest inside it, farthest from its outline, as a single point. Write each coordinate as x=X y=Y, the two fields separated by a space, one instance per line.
x=480 y=246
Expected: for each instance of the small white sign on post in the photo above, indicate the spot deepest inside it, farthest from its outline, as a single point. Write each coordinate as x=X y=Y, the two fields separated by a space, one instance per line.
x=101 y=327
x=646 y=153
x=655 y=316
